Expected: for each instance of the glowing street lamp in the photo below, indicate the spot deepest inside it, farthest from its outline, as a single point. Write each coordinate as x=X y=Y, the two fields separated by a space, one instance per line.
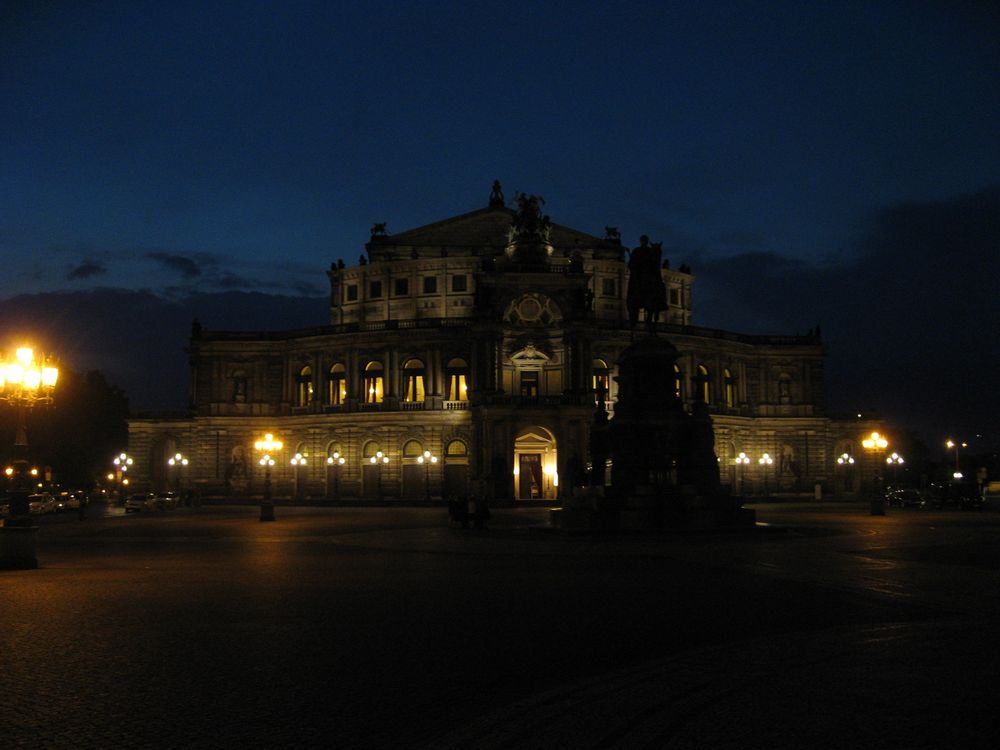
x=427 y=459
x=741 y=461
x=956 y=445
x=764 y=462
x=298 y=461
x=379 y=460
x=266 y=446
x=25 y=382
x=122 y=461
x=895 y=460
x=177 y=462
x=334 y=462
x=875 y=444
x=846 y=461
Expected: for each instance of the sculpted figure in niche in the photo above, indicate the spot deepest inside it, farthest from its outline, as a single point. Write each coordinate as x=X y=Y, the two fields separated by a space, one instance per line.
x=646 y=290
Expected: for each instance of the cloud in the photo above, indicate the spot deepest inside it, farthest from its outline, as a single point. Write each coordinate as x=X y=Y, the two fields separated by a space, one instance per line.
x=909 y=316
x=185 y=265
x=86 y=270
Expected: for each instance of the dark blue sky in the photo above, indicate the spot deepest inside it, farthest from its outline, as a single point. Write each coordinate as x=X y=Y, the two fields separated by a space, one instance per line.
x=191 y=148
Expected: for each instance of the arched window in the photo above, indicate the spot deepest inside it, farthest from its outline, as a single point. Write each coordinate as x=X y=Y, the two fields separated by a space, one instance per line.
x=336 y=385
x=456 y=449
x=372 y=383
x=304 y=380
x=412 y=449
x=456 y=375
x=678 y=381
x=703 y=385
x=413 y=380
x=600 y=378
x=370 y=449
x=730 y=385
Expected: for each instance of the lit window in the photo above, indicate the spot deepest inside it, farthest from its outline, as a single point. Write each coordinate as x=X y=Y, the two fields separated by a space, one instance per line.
x=413 y=380
x=678 y=382
x=372 y=383
x=703 y=385
x=730 y=383
x=600 y=379
x=529 y=383
x=305 y=386
x=336 y=392
x=456 y=375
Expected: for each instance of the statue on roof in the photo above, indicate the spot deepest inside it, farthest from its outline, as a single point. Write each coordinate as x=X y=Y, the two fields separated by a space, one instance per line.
x=529 y=223
x=378 y=230
x=612 y=234
x=646 y=289
x=496 y=197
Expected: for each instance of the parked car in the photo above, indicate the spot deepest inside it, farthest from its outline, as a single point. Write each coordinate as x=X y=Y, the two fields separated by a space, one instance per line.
x=164 y=501
x=905 y=498
x=41 y=503
x=961 y=495
x=138 y=501
x=67 y=501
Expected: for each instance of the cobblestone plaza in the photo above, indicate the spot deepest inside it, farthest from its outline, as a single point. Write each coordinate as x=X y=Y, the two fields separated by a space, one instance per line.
x=386 y=627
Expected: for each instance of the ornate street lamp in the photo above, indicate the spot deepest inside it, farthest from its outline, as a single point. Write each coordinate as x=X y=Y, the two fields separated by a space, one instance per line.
x=895 y=460
x=952 y=444
x=741 y=461
x=875 y=444
x=334 y=462
x=379 y=460
x=846 y=461
x=122 y=461
x=267 y=445
x=764 y=462
x=427 y=459
x=24 y=383
x=297 y=462
x=177 y=462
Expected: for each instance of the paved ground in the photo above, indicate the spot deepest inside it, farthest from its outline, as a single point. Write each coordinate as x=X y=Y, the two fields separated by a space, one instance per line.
x=384 y=627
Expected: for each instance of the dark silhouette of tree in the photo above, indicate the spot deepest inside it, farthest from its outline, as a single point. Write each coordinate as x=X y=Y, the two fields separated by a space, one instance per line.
x=78 y=434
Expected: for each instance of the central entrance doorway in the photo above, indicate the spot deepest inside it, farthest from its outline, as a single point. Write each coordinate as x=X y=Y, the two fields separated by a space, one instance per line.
x=535 y=460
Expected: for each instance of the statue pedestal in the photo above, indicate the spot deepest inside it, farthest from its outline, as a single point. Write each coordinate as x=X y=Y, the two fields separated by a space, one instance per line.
x=17 y=548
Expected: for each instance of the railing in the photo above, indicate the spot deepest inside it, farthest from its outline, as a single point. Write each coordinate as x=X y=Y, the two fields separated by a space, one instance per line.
x=455 y=405
x=411 y=405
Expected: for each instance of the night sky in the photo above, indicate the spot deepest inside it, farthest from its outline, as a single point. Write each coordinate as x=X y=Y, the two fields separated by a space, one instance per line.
x=833 y=164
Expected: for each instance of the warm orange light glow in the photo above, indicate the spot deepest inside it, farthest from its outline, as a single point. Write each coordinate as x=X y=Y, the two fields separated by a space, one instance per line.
x=268 y=443
x=875 y=442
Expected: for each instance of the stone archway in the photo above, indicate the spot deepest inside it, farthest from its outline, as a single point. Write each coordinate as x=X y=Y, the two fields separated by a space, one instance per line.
x=536 y=475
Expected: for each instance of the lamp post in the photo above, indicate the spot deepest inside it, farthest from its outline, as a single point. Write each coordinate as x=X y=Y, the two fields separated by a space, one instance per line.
x=122 y=461
x=176 y=462
x=297 y=462
x=334 y=463
x=741 y=461
x=875 y=444
x=25 y=382
x=764 y=462
x=952 y=444
x=895 y=460
x=267 y=445
x=846 y=461
x=427 y=459
x=379 y=460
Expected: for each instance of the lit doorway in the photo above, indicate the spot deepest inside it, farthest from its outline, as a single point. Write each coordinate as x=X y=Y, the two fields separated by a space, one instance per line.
x=535 y=465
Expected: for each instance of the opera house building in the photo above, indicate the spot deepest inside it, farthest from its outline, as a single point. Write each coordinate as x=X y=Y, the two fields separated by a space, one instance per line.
x=470 y=356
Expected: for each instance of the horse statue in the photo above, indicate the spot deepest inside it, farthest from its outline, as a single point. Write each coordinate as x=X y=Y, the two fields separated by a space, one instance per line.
x=646 y=290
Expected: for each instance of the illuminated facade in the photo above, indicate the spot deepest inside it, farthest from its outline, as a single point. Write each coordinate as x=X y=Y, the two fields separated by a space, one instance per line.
x=480 y=341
